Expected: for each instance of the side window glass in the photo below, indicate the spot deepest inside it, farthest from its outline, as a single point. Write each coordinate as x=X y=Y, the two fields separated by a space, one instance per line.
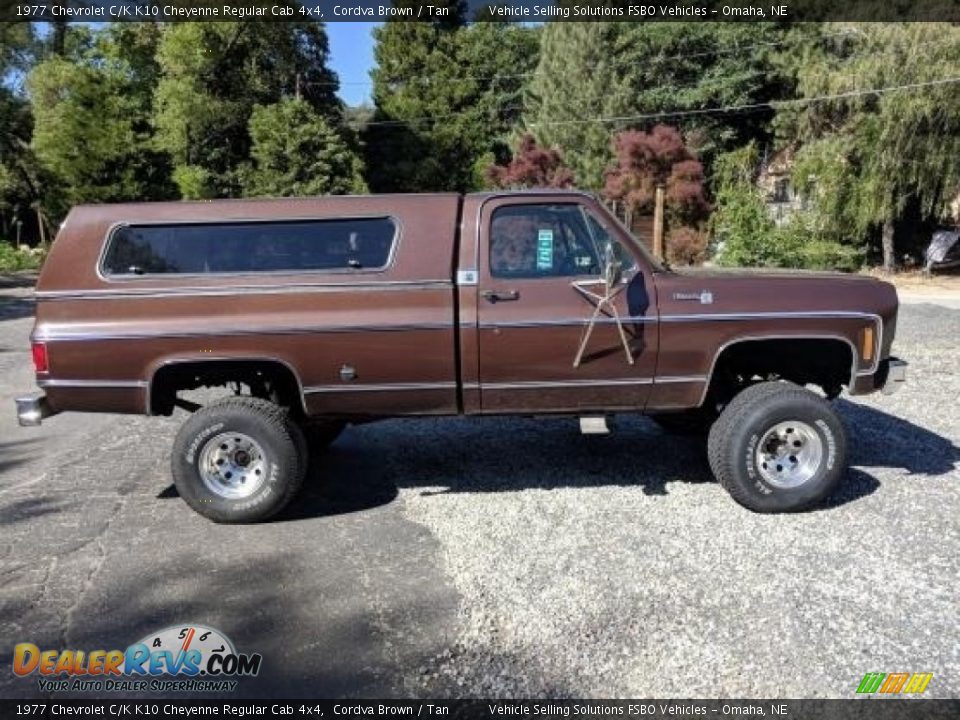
x=244 y=247
x=534 y=241
x=602 y=238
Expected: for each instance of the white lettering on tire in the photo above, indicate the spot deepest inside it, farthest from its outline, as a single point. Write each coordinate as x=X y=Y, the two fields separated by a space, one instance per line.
x=751 y=448
x=201 y=436
x=831 y=443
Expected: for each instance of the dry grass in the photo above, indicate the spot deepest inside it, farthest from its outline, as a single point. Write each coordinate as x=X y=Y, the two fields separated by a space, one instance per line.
x=915 y=281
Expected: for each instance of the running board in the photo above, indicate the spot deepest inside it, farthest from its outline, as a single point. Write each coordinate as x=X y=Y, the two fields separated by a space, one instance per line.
x=594 y=425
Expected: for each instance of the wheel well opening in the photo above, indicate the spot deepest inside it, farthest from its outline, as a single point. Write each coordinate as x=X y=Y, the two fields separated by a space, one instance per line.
x=826 y=362
x=268 y=379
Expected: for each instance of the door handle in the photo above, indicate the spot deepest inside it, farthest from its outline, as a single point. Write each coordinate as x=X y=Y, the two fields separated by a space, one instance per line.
x=495 y=296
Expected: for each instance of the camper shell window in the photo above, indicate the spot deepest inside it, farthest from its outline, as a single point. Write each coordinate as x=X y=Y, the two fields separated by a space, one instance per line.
x=249 y=247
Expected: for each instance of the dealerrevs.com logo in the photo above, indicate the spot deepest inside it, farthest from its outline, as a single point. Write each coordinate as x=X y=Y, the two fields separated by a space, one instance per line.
x=894 y=683
x=190 y=658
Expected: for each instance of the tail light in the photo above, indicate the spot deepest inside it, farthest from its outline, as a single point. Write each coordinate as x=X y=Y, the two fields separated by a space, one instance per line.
x=40 y=361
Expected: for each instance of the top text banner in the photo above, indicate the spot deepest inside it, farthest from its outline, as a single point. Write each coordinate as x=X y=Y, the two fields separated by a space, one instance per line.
x=527 y=11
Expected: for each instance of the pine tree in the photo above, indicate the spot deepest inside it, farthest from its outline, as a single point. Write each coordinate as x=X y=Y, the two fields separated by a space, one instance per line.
x=92 y=131
x=684 y=67
x=213 y=74
x=297 y=153
x=446 y=96
x=877 y=164
x=575 y=83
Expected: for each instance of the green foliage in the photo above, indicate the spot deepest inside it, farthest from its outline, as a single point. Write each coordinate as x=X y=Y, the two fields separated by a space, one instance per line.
x=92 y=130
x=18 y=44
x=13 y=259
x=636 y=70
x=212 y=77
x=18 y=167
x=577 y=80
x=442 y=101
x=687 y=66
x=740 y=224
x=871 y=159
x=747 y=236
x=297 y=153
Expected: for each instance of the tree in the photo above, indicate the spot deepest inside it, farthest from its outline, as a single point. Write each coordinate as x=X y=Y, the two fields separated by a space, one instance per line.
x=214 y=74
x=296 y=152
x=577 y=83
x=878 y=164
x=18 y=44
x=91 y=130
x=532 y=166
x=18 y=186
x=741 y=224
x=684 y=67
x=446 y=97
x=659 y=158
x=746 y=234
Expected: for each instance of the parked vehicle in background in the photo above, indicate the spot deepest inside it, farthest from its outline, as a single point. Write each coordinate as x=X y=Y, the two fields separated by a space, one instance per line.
x=326 y=311
x=943 y=252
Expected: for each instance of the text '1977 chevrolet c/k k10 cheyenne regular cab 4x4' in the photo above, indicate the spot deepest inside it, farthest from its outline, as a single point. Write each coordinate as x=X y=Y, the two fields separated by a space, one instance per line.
x=324 y=311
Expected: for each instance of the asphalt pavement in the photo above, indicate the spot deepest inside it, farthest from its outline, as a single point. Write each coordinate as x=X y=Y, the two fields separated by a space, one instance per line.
x=500 y=557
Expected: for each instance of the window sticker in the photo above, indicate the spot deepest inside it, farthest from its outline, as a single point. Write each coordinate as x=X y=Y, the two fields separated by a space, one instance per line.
x=545 y=249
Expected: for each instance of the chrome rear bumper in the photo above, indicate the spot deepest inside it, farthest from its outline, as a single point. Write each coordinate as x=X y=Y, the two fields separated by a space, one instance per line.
x=32 y=410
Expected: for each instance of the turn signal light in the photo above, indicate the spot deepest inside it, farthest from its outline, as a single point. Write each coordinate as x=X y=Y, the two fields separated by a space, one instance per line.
x=40 y=361
x=867 y=344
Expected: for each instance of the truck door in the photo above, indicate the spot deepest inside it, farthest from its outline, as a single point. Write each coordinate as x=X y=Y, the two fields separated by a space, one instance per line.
x=566 y=312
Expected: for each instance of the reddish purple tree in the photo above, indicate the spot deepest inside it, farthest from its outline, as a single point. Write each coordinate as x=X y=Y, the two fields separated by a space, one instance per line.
x=532 y=166
x=645 y=160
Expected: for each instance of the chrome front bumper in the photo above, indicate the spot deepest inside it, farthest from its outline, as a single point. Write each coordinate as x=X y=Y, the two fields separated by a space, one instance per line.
x=896 y=376
x=32 y=410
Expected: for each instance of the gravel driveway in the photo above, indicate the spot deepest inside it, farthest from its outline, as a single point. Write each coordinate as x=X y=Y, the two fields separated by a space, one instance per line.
x=505 y=557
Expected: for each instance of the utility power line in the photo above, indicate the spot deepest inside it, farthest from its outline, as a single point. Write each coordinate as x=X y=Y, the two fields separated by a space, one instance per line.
x=756 y=106
x=716 y=110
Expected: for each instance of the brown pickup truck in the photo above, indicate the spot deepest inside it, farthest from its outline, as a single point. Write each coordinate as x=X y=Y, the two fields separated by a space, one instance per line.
x=320 y=312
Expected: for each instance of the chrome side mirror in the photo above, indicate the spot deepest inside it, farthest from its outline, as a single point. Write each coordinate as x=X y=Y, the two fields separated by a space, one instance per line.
x=612 y=267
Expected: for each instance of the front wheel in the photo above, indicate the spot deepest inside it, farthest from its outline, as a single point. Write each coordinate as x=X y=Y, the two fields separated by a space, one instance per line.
x=778 y=448
x=238 y=460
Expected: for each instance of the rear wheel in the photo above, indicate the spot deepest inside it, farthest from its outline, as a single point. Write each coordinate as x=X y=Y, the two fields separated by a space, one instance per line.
x=238 y=460
x=778 y=448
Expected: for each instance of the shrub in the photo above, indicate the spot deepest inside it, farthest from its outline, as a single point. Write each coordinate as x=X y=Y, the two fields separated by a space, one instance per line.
x=12 y=258
x=686 y=246
x=746 y=236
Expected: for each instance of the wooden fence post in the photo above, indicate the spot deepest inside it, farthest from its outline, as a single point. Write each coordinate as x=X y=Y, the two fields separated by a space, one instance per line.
x=658 y=224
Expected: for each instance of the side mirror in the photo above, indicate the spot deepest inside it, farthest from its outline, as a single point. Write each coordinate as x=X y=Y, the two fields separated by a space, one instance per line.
x=612 y=267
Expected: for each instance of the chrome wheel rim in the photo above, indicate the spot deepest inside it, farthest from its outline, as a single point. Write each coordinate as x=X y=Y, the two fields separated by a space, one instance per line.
x=789 y=454
x=233 y=465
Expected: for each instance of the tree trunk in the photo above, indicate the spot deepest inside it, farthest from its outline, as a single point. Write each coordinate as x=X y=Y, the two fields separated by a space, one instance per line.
x=42 y=229
x=886 y=243
x=59 y=40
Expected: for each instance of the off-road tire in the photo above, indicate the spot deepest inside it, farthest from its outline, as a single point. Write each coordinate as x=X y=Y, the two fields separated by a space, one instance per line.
x=283 y=463
x=732 y=446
